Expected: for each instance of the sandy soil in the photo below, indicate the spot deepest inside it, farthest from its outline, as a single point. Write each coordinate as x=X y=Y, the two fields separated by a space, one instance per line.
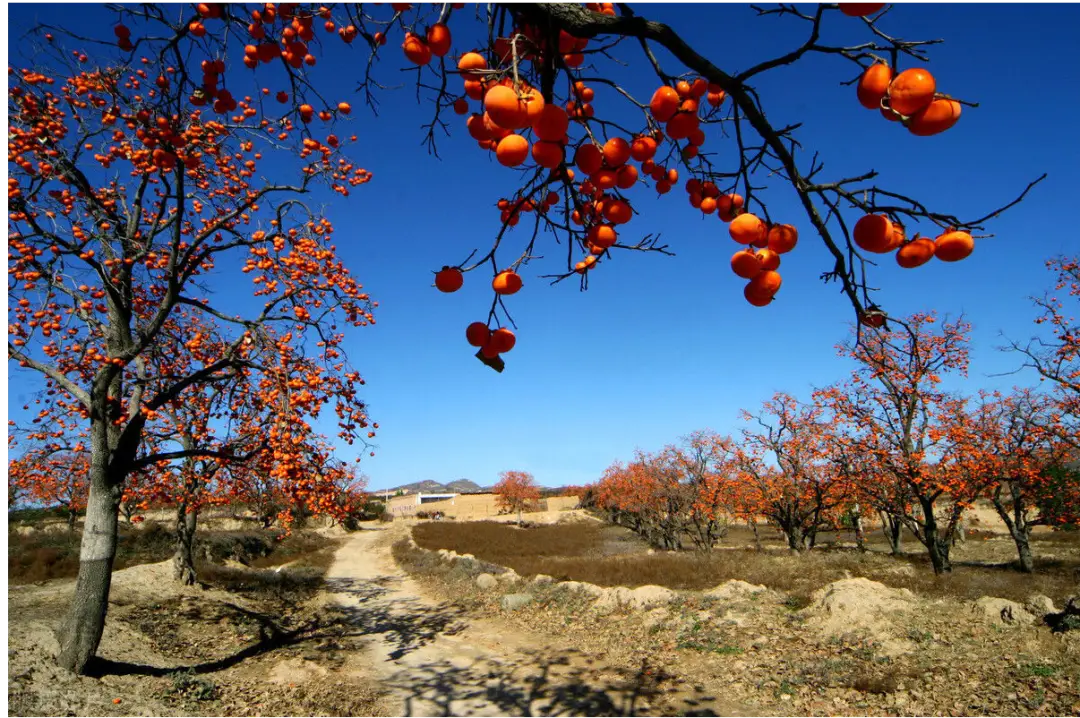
x=436 y=661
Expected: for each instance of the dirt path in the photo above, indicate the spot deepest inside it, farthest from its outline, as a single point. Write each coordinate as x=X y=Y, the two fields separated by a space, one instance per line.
x=437 y=662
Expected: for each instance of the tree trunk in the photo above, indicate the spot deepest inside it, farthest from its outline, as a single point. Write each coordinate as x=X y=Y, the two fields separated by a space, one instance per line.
x=81 y=631
x=1017 y=523
x=184 y=558
x=937 y=545
x=892 y=528
x=959 y=535
x=757 y=537
x=860 y=534
x=939 y=553
x=796 y=538
x=71 y=520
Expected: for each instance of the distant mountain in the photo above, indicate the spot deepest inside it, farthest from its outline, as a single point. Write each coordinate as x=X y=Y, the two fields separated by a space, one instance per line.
x=458 y=486
x=464 y=486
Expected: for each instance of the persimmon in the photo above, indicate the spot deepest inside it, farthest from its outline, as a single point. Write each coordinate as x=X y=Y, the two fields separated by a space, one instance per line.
x=664 y=103
x=502 y=340
x=873 y=84
x=873 y=233
x=769 y=259
x=547 y=154
x=915 y=253
x=551 y=124
x=954 y=245
x=911 y=91
x=449 y=279
x=605 y=179
x=618 y=212
x=477 y=334
x=506 y=282
x=682 y=124
x=438 y=39
x=534 y=104
x=728 y=206
x=588 y=158
x=627 y=176
x=344 y=108
x=505 y=108
x=899 y=236
x=461 y=106
x=471 y=65
x=603 y=236
x=416 y=50
x=643 y=148
x=938 y=116
x=782 y=238
x=512 y=150
x=860 y=9
x=765 y=284
x=746 y=264
x=616 y=152
x=755 y=297
x=747 y=228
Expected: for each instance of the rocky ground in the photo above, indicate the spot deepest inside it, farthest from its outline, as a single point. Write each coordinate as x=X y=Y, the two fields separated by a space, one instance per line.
x=392 y=629
x=854 y=647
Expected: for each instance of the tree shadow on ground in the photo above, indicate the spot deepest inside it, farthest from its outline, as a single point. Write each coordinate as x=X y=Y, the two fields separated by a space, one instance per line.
x=407 y=624
x=528 y=682
x=546 y=683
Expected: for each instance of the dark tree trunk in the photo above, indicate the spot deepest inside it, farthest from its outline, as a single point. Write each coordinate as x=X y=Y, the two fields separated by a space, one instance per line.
x=184 y=558
x=892 y=528
x=1017 y=523
x=795 y=537
x=857 y=524
x=936 y=544
x=81 y=631
x=71 y=519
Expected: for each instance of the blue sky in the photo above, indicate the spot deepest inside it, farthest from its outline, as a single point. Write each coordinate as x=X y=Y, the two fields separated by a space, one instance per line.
x=660 y=346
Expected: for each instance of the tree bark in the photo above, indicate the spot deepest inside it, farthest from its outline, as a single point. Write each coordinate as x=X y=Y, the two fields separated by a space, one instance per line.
x=857 y=524
x=937 y=545
x=184 y=558
x=757 y=537
x=1017 y=523
x=796 y=538
x=80 y=633
x=892 y=528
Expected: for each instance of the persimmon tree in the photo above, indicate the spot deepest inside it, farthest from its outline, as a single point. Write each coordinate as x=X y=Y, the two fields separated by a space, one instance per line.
x=784 y=467
x=52 y=477
x=516 y=491
x=644 y=495
x=541 y=87
x=127 y=186
x=1019 y=434
x=1055 y=355
x=704 y=465
x=683 y=491
x=913 y=433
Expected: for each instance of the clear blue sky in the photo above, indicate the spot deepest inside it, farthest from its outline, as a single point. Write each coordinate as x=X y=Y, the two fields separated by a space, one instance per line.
x=661 y=346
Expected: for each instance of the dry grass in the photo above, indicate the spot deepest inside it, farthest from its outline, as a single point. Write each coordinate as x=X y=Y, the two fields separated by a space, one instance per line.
x=47 y=555
x=576 y=551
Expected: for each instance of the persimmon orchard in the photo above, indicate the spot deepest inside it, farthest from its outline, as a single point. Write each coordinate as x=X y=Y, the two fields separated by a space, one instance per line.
x=140 y=180
x=890 y=441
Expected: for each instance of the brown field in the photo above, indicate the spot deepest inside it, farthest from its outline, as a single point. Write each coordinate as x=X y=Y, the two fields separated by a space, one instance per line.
x=608 y=555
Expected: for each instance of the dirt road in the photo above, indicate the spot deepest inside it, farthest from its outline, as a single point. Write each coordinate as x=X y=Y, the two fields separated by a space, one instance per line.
x=437 y=662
